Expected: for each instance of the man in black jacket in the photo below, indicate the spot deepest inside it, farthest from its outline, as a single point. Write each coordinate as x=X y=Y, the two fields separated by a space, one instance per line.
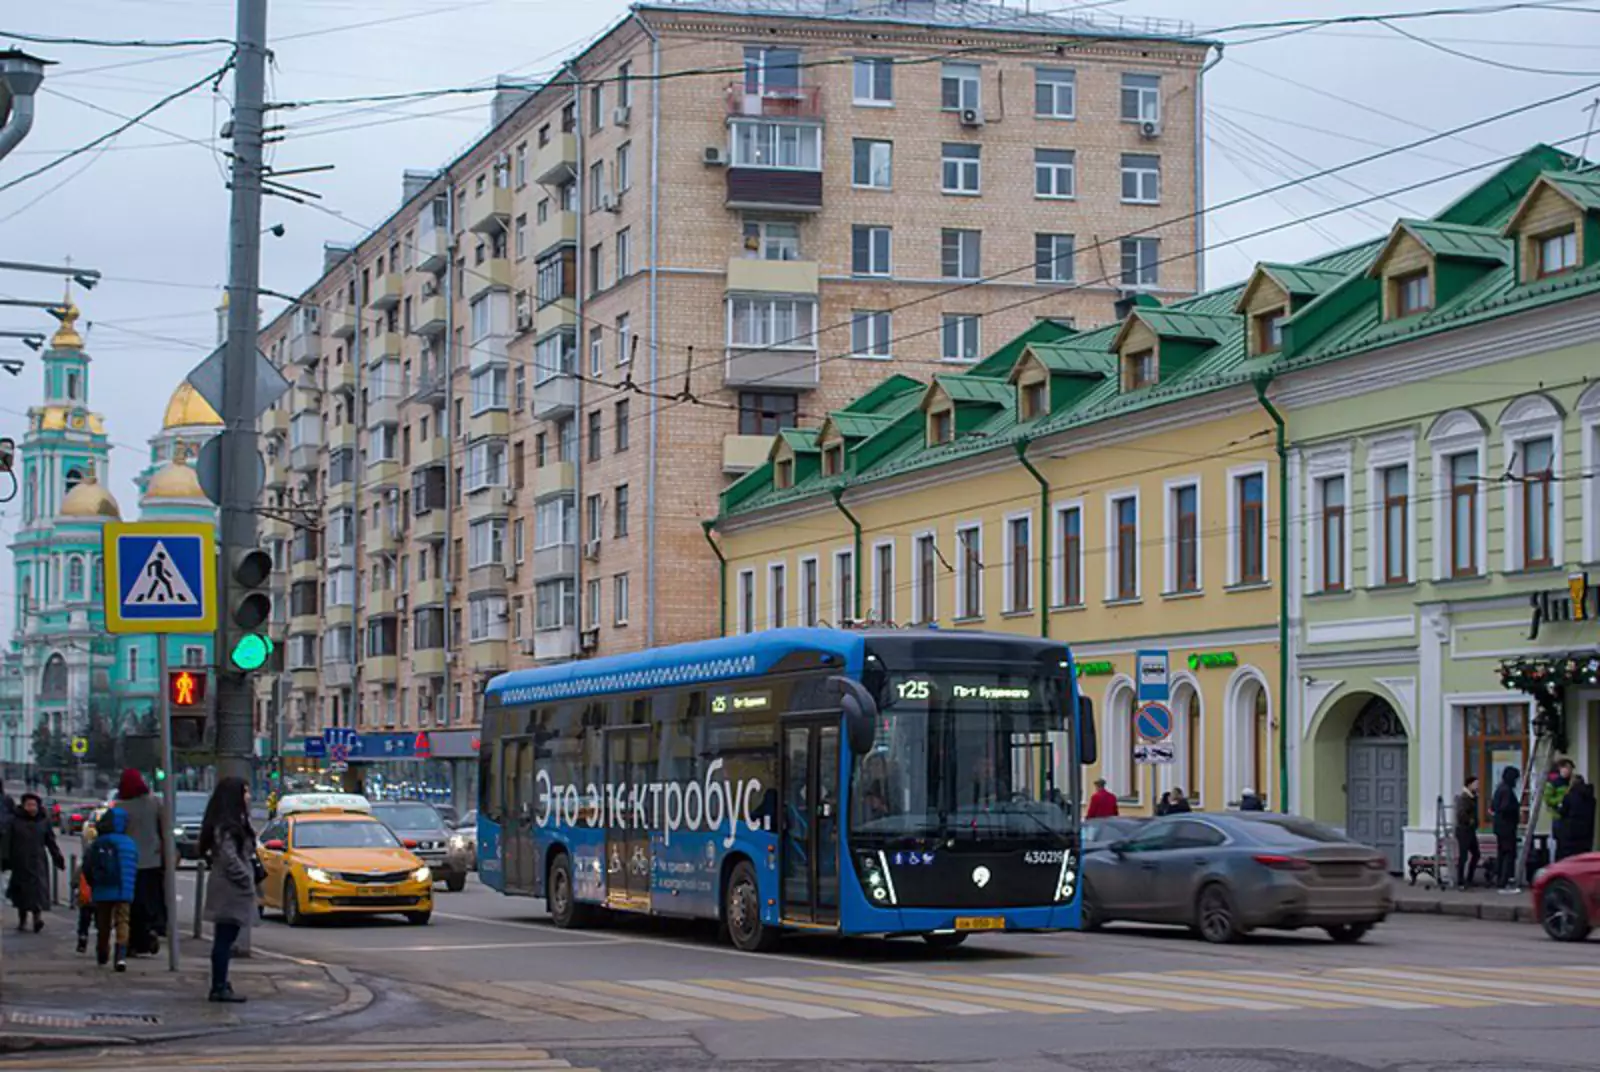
x=1577 y=819
x=1468 y=855
x=1505 y=808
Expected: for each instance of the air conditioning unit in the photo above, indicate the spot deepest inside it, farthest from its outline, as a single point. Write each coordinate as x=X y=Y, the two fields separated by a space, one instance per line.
x=401 y=602
x=1150 y=128
x=524 y=319
x=591 y=550
x=508 y=496
x=972 y=117
x=527 y=641
x=611 y=202
x=622 y=115
x=715 y=156
x=589 y=640
x=511 y=571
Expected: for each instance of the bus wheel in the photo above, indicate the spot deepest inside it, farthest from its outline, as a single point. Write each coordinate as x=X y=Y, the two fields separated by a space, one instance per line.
x=944 y=941
x=742 y=912
x=565 y=911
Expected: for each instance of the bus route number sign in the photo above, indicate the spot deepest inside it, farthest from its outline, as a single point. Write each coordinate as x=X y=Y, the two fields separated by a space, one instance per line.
x=741 y=702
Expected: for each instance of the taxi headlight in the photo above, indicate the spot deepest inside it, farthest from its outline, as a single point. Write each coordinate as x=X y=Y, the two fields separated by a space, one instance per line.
x=318 y=875
x=422 y=874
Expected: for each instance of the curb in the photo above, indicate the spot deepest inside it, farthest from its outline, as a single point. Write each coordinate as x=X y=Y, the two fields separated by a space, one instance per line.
x=1507 y=911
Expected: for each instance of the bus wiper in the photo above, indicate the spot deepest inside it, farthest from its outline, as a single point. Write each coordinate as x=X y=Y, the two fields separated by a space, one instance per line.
x=1061 y=837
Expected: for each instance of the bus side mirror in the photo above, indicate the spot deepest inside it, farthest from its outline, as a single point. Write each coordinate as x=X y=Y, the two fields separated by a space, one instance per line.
x=860 y=714
x=1088 y=740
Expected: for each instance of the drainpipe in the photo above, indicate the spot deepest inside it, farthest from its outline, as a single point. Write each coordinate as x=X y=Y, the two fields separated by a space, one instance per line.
x=580 y=352
x=1200 y=171
x=1281 y=445
x=838 y=501
x=452 y=643
x=21 y=75
x=722 y=577
x=655 y=334
x=1022 y=446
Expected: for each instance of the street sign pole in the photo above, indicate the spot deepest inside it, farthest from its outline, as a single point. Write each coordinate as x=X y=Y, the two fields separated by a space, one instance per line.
x=169 y=804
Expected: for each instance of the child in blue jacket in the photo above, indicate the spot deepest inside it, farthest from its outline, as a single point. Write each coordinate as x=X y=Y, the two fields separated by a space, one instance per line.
x=112 y=867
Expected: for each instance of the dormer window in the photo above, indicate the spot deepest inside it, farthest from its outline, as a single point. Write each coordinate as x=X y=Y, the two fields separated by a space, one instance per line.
x=1413 y=293
x=783 y=473
x=941 y=426
x=1558 y=252
x=1269 y=331
x=833 y=460
x=1141 y=369
x=1034 y=400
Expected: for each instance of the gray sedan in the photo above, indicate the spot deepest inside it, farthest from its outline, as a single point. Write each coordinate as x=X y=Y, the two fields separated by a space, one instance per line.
x=1226 y=874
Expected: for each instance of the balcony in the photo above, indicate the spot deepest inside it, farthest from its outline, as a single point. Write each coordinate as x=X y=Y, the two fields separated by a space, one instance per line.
x=556 y=478
x=550 y=645
x=742 y=453
x=304 y=623
x=338 y=672
x=388 y=290
x=336 y=614
x=381 y=539
x=556 y=161
x=305 y=679
x=274 y=421
x=380 y=668
x=435 y=450
x=561 y=229
x=305 y=344
x=490 y=211
x=342 y=437
x=491 y=422
x=306 y=569
x=487 y=656
x=305 y=457
x=555 y=397
x=429 y=593
x=341 y=376
x=338 y=494
x=383 y=409
x=556 y=560
x=432 y=387
x=429 y=526
x=750 y=275
x=554 y=317
x=307 y=398
x=773 y=102
x=492 y=274
x=490 y=502
x=383 y=473
x=342 y=323
x=427 y=662
x=386 y=345
x=433 y=246
x=774 y=189
x=771 y=369
x=431 y=317
x=490 y=578
x=380 y=602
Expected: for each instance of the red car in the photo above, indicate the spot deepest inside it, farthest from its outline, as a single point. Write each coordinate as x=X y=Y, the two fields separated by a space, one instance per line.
x=1566 y=897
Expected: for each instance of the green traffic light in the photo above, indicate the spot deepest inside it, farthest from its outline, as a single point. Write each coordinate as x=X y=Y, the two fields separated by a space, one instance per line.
x=251 y=652
x=161 y=775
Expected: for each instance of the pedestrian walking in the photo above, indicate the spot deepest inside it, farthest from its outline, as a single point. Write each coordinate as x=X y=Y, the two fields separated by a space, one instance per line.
x=1505 y=809
x=226 y=845
x=80 y=882
x=1468 y=855
x=146 y=821
x=1577 y=819
x=1102 y=802
x=1249 y=801
x=1164 y=805
x=33 y=850
x=112 y=865
x=1179 y=804
x=8 y=810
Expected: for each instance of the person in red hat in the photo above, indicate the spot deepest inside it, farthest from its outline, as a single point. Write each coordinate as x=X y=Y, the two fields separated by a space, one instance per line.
x=146 y=821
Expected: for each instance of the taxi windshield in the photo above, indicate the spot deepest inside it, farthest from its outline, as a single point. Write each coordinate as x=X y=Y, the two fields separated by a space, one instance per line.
x=344 y=834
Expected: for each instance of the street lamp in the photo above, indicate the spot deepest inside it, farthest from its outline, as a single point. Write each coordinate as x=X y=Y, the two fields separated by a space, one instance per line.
x=20 y=75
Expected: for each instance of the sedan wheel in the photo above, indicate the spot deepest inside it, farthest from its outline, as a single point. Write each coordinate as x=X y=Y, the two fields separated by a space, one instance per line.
x=1092 y=915
x=1348 y=933
x=1561 y=908
x=1215 y=916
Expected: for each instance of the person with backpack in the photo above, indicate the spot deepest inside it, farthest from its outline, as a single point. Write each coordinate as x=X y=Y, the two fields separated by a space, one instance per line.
x=80 y=882
x=112 y=866
x=146 y=822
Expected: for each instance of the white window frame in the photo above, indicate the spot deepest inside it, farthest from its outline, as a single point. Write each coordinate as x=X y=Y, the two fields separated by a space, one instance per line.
x=1386 y=452
x=1055 y=171
x=1142 y=179
x=877 y=166
x=1589 y=418
x=621 y=598
x=964 y=324
x=970 y=79
x=771 y=135
x=1169 y=522
x=1455 y=433
x=1533 y=416
x=883 y=602
x=842 y=613
x=1235 y=475
x=968 y=246
x=877 y=328
x=1153 y=268
x=1058 y=552
x=744 y=594
x=776 y=614
x=810 y=590
x=930 y=614
x=965 y=613
x=1008 y=602
x=869 y=65
x=804 y=340
x=1050 y=270
x=1334 y=460
x=1056 y=78
x=873 y=231
x=1112 y=498
x=1146 y=93
x=968 y=170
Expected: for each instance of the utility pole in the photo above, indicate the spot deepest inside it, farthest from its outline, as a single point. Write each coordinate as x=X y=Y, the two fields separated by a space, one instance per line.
x=235 y=693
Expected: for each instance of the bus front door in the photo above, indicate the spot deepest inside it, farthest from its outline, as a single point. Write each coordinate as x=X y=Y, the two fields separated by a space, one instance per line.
x=810 y=847
x=516 y=843
x=628 y=864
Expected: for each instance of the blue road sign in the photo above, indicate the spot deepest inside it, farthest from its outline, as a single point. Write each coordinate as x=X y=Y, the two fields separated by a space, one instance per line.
x=1152 y=676
x=316 y=748
x=1153 y=722
x=160 y=577
x=343 y=736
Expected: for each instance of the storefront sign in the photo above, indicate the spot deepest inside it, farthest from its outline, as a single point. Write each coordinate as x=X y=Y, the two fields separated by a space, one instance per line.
x=1212 y=660
x=1579 y=603
x=453 y=744
x=1102 y=668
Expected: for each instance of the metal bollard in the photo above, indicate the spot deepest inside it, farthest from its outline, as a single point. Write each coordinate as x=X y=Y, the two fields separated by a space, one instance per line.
x=199 y=895
x=55 y=885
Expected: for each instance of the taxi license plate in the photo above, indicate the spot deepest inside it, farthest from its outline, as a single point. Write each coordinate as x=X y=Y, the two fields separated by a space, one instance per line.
x=376 y=891
x=980 y=923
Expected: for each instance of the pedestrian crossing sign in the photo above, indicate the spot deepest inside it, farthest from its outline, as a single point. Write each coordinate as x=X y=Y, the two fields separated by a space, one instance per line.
x=161 y=577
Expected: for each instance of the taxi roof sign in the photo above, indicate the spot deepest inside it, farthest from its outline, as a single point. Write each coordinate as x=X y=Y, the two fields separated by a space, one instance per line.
x=304 y=803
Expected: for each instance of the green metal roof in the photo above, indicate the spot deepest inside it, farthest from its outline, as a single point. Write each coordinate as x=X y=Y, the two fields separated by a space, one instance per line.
x=984 y=389
x=1173 y=323
x=1582 y=187
x=1460 y=241
x=1301 y=280
x=1073 y=359
x=800 y=440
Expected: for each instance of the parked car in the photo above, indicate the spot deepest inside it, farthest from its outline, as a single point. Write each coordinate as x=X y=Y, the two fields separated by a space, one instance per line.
x=1227 y=874
x=418 y=825
x=1566 y=897
x=1098 y=833
x=191 y=810
x=448 y=813
x=467 y=834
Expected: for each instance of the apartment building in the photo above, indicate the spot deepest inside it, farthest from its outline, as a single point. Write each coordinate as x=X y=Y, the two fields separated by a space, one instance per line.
x=517 y=398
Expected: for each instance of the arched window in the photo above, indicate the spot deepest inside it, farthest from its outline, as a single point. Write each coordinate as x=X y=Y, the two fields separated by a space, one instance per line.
x=75 y=577
x=30 y=506
x=1458 y=441
x=1532 y=429
x=1189 y=742
x=1117 y=732
x=74 y=477
x=97 y=572
x=1247 y=738
x=53 y=683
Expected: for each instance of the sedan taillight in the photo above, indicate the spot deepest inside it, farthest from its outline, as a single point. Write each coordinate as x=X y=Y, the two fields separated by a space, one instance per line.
x=1282 y=863
x=1377 y=863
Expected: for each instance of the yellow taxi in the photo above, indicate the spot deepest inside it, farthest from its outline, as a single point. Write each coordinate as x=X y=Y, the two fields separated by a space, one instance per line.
x=326 y=855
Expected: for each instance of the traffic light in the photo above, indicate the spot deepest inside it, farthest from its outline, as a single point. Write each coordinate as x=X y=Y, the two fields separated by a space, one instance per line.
x=186 y=701
x=249 y=647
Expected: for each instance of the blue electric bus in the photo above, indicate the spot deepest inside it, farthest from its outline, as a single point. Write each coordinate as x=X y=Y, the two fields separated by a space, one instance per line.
x=889 y=782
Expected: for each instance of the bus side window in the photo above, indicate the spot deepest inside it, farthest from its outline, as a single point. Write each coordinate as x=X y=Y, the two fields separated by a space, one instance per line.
x=493 y=779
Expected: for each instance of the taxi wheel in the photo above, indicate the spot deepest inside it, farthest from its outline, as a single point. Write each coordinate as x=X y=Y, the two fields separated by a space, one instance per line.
x=291 y=905
x=419 y=919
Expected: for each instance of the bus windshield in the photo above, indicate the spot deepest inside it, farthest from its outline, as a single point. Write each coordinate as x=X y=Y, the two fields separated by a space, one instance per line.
x=967 y=756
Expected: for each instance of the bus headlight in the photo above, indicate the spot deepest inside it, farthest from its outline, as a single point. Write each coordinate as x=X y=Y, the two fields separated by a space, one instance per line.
x=875 y=873
x=1067 y=882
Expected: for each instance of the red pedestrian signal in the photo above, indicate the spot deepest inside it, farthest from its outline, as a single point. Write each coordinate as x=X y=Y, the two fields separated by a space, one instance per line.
x=185 y=688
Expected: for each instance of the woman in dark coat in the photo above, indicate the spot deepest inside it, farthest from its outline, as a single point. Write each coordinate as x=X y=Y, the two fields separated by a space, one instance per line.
x=228 y=845
x=31 y=851
x=1577 y=819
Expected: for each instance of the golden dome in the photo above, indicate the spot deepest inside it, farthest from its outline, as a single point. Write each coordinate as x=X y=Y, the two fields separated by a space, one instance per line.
x=175 y=480
x=186 y=409
x=66 y=336
x=89 y=499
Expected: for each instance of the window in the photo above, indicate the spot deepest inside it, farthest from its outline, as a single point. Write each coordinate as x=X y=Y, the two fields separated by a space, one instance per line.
x=844 y=587
x=624 y=339
x=1141 y=263
x=521 y=244
x=597 y=268
x=777 y=595
x=1558 y=252
x=1052 y=258
x=597 y=185
x=746 y=613
x=771 y=72
x=1019 y=559
x=486 y=543
x=1185 y=506
x=783 y=473
x=593 y=600
x=969 y=572
x=1141 y=98
x=833 y=460
x=624 y=254
x=1537 y=465
x=554 y=278
x=962 y=168
x=625 y=85
x=594 y=435
x=541 y=212
x=923 y=554
x=486 y=465
x=1413 y=293
x=883 y=583
x=1142 y=369
x=870 y=250
x=619 y=520
x=872 y=163
x=552 y=357
x=1055 y=93
x=960 y=254
x=941 y=426
x=958 y=87
x=1034 y=399
x=1054 y=173
x=767 y=414
x=1141 y=179
x=772 y=240
x=482 y=319
x=554 y=605
x=1395 y=482
x=761 y=144
x=810 y=613
x=873 y=81
x=1251 y=525
x=776 y=322
x=869 y=334
x=1069 y=556
x=522 y=165
x=1125 y=547
x=489 y=389
x=620 y=426
x=1463 y=470
x=597 y=352
x=959 y=337
x=553 y=523
x=593 y=512
x=72 y=385
x=624 y=170
x=519 y=546
x=1269 y=331
x=597 y=106
x=1331 y=508
x=1494 y=737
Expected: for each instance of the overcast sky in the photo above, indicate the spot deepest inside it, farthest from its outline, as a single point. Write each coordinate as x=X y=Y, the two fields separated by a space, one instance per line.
x=150 y=211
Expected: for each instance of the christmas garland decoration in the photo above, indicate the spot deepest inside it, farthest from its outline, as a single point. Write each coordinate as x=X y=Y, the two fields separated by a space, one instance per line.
x=1546 y=679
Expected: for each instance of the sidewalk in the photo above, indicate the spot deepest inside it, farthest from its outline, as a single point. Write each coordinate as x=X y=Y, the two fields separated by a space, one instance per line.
x=1474 y=903
x=52 y=997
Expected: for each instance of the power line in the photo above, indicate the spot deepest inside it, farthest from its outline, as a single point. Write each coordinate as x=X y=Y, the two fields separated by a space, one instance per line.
x=1486 y=60
x=96 y=42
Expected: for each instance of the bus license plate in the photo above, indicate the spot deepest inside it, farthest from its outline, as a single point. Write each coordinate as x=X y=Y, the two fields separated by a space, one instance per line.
x=980 y=923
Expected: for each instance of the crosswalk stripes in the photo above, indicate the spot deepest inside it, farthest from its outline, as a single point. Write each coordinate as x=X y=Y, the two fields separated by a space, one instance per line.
x=892 y=994
x=491 y=1057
